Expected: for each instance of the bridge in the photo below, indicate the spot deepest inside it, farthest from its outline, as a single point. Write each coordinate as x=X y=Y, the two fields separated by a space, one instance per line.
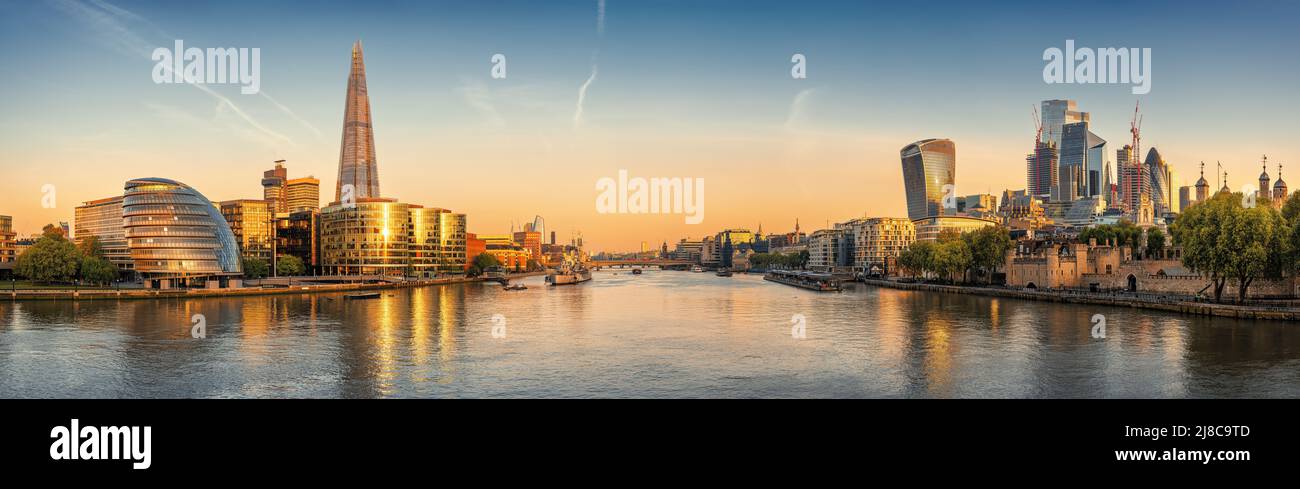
x=663 y=263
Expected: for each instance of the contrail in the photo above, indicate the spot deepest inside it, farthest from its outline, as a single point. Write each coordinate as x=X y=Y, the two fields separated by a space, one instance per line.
x=582 y=96
x=600 y=17
x=105 y=20
x=582 y=91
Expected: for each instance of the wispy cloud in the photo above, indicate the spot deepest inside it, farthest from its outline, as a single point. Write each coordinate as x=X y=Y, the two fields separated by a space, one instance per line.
x=292 y=114
x=798 y=108
x=582 y=96
x=477 y=95
x=111 y=24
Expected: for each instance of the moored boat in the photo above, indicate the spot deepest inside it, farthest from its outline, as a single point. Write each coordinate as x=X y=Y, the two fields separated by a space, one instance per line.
x=821 y=282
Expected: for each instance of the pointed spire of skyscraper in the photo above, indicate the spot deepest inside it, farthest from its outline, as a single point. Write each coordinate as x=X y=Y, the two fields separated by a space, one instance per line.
x=357 y=165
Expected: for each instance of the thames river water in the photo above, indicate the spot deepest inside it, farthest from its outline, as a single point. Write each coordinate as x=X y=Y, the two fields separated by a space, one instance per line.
x=659 y=334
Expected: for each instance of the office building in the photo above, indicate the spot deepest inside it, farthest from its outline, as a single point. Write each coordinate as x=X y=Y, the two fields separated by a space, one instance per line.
x=102 y=218
x=176 y=236
x=252 y=222
x=1055 y=115
x=929 y=170
x=357 y=165
x=302 y=194
x=274 y=188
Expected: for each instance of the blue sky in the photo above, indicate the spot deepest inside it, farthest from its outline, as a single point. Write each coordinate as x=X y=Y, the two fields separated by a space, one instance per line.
x=682 y=89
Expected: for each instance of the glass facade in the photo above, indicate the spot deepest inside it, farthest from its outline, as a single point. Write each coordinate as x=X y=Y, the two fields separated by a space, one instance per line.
x=1158 y=174
x=452 y=230
x=103 y=219
x=298 y=235
x=1055 y=115
x=1097 y=178
x=426 y=241
x=173 y=231
x=370 y=237
x=357 y=165
x=251 y=222
x=928 y=166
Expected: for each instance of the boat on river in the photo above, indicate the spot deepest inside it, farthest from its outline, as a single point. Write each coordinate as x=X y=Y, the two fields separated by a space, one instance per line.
x=820 y=282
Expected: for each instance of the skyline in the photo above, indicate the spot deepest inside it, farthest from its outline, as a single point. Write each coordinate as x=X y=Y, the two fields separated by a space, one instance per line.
x=775 y=149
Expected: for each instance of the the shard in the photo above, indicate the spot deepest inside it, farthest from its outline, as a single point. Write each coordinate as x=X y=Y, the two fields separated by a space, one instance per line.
x=357 y=164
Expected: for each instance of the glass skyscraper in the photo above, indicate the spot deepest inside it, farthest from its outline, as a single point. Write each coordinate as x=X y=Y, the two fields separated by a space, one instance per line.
x=357 y=165
x=928 y=166
x=1055 y=115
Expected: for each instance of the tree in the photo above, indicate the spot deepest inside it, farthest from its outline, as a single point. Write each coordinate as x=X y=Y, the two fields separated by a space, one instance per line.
x=1155 y=242
x=255 y=267
x=917 y=259
x=53 y=231
x=90 y=246
x=289 y=265
x=97 y=270
x=51 y=258
x=951 y=258
x=988 y=248
x=533 y=265
x=1225 y=241
x=481 y=263
x=1291 y=209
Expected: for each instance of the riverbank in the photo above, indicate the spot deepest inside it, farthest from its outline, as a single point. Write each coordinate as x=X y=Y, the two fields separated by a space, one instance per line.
x=1081 y=297
x=315 y=288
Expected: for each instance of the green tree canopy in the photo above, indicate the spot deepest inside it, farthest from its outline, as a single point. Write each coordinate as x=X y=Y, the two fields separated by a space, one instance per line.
x=90 y=246
x=289 y=265
x=1225 y=241
x=52 y=258
x=97 y=270
x=256 y=267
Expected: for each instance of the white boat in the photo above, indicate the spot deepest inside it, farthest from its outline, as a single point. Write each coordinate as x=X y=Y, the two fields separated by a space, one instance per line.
x=697 y=268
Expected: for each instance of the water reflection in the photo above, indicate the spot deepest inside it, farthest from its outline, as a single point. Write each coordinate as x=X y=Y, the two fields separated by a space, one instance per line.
x=657 y=334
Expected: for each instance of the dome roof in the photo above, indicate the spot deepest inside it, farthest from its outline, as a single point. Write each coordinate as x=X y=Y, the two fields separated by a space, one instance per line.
x=1202 y=182
x=1279 y=184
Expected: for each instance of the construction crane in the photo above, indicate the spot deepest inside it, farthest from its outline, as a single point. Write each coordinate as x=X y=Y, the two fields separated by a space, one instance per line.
x=1135 y=127
x=1038 y=125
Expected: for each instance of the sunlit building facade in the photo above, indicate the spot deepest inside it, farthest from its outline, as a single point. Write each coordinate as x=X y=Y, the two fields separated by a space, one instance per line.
x=176 y=236
x=929 y=169
x=426 y=241
x=102 y=219
x=253 y=225
x=8 y=253
x=303 y=194
x=368 y=237
x=452 y=228
x=877 y=242
x=929 y=229
x=298 y=234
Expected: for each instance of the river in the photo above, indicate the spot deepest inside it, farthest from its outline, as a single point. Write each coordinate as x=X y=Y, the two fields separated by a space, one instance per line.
x=659 y=334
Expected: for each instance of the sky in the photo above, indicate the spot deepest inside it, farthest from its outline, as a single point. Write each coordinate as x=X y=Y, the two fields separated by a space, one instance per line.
x=691 y=89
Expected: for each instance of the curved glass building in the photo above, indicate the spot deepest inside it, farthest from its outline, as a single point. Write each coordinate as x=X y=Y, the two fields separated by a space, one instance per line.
x=928 y=166
x=176 y=235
